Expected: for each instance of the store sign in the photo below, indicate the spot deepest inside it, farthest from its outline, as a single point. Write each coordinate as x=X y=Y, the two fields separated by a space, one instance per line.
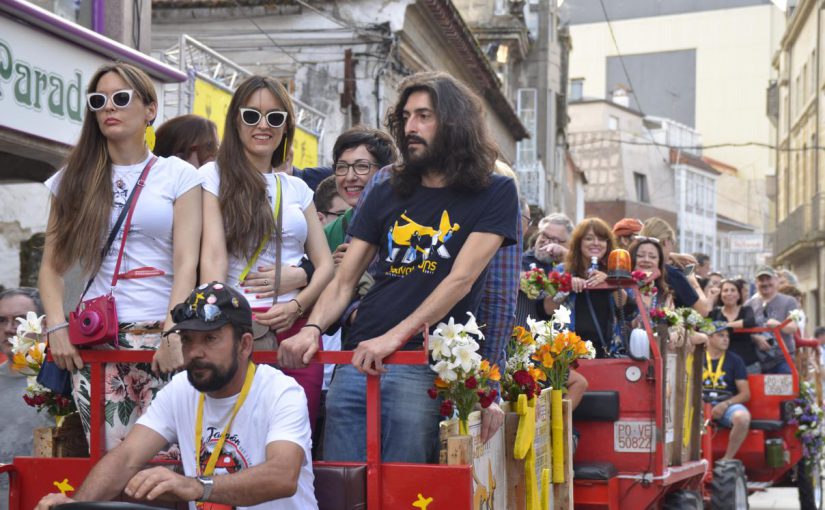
x=746 y=243
x=43 y=82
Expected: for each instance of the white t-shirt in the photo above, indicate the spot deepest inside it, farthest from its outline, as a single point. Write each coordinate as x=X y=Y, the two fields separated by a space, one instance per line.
x=296 y=197
x=274 y=410
x=150 y=237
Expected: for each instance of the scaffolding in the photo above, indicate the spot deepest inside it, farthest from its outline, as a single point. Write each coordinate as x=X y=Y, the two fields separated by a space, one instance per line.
x=199 y=61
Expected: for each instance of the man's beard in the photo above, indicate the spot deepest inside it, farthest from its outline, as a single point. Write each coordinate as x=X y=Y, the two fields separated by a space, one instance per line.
x=419 y=163
x=218 y=379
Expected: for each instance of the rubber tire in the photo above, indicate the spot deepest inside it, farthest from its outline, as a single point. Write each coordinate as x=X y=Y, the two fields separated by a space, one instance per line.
x=807 y=487
x=683 y=500
x=727 y=475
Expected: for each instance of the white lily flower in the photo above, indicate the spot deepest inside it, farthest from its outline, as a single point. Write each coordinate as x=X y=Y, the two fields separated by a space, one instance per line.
x=562 y=316
x=440 y=346
x=472 y=327
x=466 y=358
x=31 y=324
x=445 y=371
x=451 y=330
x=21 y=344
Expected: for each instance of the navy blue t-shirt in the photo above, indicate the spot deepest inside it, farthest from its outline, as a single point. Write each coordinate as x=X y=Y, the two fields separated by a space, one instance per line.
x=313 y=176
x=683 y=293
x=733 y=369
x=419 y=238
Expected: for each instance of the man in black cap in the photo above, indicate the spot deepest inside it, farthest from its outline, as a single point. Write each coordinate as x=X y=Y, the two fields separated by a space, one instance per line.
x=224 y=411
x=725 y=385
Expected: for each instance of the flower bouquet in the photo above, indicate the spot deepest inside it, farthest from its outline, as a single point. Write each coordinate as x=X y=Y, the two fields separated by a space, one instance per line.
x=797 y=315
x=463 y=377
x=808 y=415
x=558 y=349
x=29 y=353
x=693 y=321
x=536 y=282
x=665 y=316
x=521 y=377
x=647 y=288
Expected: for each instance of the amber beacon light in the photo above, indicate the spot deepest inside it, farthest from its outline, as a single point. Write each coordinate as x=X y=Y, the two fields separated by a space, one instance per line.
x=618 y=265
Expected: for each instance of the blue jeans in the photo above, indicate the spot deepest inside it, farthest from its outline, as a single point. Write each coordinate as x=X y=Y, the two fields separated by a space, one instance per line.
x=727 y=419
x=781 y=368
x=409 y=417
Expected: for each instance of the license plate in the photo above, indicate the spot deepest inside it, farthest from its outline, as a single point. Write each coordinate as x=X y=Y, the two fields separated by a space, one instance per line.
x=633 y=436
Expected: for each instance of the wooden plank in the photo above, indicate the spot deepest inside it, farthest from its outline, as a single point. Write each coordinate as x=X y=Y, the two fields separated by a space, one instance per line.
x=44 y=442
x=459 y=450
x=698 y=413
x=679 y=406
x=516 y=491
x=563 y=492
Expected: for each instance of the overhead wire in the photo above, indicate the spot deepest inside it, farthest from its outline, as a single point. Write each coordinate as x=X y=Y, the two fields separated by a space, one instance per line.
x=626 y=73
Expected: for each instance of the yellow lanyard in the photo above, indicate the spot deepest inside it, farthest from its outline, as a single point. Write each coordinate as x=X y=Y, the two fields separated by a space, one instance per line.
x=713 y=375
x=265 y=240
x=213 y=459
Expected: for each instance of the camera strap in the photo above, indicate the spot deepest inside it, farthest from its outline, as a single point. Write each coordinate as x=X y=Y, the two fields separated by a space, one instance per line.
x=125 y=214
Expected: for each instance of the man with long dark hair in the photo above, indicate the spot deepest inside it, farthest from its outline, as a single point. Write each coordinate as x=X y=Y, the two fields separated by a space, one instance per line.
x=434 y=225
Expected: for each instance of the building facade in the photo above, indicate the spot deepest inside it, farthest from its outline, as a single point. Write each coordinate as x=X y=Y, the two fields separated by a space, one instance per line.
x=344 y=59
x=799 y=240
x=680 y=60
x=528 y=49
x=45 y=64
x=635 y=168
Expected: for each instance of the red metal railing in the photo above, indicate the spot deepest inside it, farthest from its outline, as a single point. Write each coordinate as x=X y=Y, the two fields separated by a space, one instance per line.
x=97 y=359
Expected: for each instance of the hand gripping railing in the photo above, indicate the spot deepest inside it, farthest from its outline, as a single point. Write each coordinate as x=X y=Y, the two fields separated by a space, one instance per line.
x=97 y=359
x=777 y=333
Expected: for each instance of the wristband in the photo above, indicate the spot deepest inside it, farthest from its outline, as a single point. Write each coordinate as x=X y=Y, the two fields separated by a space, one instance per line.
x=300 y=308
x=57 y=327
x=308 y=325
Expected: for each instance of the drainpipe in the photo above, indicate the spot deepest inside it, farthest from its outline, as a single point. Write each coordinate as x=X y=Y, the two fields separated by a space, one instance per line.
x=99 y=16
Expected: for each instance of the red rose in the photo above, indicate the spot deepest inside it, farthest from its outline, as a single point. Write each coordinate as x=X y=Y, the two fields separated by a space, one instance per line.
x=522 y=378
x=433 y=393
x=446 y=408
x=471 y=383
x=485 y=402
x=493 y=394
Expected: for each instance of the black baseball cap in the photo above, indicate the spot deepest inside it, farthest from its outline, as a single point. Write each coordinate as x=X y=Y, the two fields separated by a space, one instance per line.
x=211 y=306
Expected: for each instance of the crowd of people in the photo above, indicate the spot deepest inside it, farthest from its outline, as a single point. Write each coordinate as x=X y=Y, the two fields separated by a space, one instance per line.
x=407 y=227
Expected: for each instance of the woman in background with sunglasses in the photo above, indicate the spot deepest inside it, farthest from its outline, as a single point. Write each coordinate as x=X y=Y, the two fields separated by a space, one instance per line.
x=160 y=256
x=245 y=201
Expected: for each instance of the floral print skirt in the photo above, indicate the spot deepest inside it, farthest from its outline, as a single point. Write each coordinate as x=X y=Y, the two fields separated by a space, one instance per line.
x=129 y=388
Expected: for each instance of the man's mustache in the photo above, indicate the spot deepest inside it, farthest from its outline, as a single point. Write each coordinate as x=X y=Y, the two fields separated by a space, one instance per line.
x=414 y=139
x=197 y=365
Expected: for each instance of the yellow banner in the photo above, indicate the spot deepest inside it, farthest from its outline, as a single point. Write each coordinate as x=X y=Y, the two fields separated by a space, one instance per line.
x=211 y=102
x=305 y=149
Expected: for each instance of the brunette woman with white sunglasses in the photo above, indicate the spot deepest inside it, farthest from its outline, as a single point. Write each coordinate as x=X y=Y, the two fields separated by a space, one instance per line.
x=259 y=223
x=157 y=268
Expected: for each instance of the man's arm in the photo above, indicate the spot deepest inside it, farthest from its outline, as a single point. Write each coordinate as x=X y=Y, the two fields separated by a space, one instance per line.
x=296 y=351
x=111 y=474
x=744 y=392
x=471 y=261
x=274 y=479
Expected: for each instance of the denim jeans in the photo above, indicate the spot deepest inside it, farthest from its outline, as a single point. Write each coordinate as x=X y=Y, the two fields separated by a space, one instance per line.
x=781 y=368
x=409 y=417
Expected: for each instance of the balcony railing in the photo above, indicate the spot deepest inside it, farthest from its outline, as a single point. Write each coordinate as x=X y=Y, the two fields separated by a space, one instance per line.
x=805 y=224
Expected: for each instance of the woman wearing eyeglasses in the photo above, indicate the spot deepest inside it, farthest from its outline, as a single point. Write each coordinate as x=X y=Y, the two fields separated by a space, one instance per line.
x=257 y=219
x=357 y=154
x=160 y=255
